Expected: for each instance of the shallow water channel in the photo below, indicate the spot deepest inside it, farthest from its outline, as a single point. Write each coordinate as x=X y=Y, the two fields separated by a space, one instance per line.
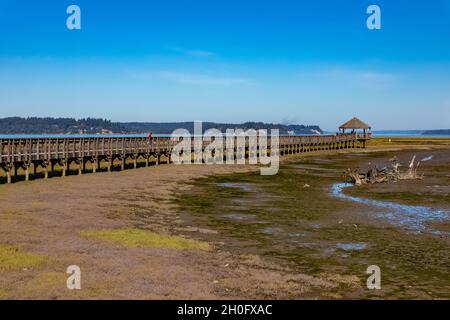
x=413 y=218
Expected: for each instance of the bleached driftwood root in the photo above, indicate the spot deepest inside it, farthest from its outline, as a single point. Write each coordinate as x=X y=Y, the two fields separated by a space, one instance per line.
x=384 y=175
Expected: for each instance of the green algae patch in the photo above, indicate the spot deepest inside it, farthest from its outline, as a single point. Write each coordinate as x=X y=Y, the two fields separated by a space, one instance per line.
x=13 y=258
x=137 y=238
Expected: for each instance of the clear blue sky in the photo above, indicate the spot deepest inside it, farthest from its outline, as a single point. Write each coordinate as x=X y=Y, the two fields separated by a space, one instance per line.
x=311 y=62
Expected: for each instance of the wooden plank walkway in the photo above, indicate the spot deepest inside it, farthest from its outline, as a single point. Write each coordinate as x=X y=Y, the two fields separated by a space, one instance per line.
x=50 y=152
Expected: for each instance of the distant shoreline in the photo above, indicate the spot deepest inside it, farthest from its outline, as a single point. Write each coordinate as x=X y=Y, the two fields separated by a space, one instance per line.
x=438 y=132
x=57 y=126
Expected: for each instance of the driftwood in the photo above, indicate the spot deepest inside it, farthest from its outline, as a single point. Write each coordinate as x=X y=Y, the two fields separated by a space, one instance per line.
x=385 y=174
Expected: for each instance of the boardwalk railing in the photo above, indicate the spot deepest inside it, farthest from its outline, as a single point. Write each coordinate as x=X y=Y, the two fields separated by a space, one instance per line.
x=48 y=152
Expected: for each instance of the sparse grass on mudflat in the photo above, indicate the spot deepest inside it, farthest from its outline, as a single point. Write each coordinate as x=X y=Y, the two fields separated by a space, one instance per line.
x=136 y=238
x=13 y=258
x=407 y=142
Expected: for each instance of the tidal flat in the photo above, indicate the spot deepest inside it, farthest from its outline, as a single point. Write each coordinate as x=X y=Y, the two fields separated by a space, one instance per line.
x=294 y=219
x=225 y=232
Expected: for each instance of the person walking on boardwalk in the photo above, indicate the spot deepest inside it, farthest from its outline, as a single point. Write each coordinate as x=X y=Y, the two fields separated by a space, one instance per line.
x=150 y=138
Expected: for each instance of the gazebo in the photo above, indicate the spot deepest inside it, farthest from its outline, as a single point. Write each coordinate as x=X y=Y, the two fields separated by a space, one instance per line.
x=353 y=125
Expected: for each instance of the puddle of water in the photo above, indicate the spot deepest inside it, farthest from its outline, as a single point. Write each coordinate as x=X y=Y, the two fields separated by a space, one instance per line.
x=410 y=217
x=312 y=168
x=239 y=217
x=355 y=155
x=273 y=231
x=296 y=234
x=323 y=160
x=243 y=186
x=350 y=246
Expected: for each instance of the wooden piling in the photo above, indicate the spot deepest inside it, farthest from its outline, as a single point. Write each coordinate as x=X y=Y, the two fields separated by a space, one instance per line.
x=8 y=174
x=27 y=173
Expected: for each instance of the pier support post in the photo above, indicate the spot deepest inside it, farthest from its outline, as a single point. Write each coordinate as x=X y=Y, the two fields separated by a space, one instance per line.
x=135 y=161
x=122 y=166
x=8 y=173
x=45 y=165
x=26 y=166
x=146 y=160
x=80 y=167
x=94 y=165
x=64 y=165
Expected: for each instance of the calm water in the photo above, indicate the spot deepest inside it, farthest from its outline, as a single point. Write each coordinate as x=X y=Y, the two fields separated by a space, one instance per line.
x=406 y=134
x=409 y=135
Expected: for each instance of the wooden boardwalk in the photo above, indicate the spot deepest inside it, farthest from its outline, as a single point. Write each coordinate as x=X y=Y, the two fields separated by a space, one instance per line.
x=48 y=153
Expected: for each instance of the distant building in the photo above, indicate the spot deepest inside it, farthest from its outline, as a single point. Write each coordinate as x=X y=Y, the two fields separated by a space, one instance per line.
x=106 y=131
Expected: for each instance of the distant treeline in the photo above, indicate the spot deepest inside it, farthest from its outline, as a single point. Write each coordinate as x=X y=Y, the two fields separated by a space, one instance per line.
x=441 y=131
x=16 y=125
x=33 y=125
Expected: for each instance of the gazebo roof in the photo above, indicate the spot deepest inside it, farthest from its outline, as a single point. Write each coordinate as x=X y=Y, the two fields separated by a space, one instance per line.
x=354 y=123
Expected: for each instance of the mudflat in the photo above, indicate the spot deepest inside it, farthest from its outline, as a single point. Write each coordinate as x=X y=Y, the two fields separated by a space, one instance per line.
x=224 y=231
